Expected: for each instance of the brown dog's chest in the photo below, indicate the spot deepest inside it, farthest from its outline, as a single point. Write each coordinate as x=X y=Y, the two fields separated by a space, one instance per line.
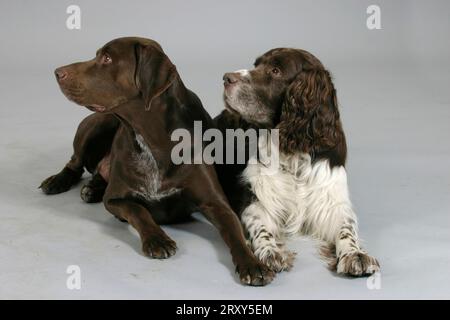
x=135 y=170
x=150 y=187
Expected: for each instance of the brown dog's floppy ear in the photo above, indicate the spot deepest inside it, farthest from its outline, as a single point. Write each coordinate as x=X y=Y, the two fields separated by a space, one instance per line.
x=309 y=119
x=154 y=72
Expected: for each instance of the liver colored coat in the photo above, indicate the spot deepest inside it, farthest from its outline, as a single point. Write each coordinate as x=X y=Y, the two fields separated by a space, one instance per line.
x=139 y=101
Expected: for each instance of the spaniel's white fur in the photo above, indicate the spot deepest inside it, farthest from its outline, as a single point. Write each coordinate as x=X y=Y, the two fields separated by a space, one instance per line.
x=302 y=198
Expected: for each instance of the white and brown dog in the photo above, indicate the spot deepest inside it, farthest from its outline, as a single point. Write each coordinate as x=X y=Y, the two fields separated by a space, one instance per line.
x=290 y=90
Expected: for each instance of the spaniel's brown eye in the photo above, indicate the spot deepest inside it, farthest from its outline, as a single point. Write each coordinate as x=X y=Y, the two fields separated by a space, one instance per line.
x=275 y=71
x=106 y=59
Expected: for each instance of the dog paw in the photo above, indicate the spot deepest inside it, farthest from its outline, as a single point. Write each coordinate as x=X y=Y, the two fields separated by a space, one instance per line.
x=60 y=182
x=357 y=264
x=92 y=194
x=159 y=247
x=279 y=260
x=255 y=274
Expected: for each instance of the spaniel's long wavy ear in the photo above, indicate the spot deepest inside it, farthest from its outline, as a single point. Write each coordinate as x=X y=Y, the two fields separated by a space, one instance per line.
x=154 y=74
x=309 y=120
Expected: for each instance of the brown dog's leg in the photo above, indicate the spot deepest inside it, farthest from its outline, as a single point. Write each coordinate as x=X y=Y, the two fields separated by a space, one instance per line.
x=91 y=143
x=212 y=202
x=155 y=242
x=94 y=190
x=62 y=181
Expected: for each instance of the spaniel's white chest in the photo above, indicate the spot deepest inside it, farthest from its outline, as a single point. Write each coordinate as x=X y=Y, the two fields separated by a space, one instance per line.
x=281 y=192
x=298 y=191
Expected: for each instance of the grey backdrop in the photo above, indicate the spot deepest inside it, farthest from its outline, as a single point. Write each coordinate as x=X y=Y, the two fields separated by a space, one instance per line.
x=393 y=88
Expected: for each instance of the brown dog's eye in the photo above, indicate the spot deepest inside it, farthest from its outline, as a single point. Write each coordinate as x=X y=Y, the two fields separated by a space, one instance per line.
x=106 y=59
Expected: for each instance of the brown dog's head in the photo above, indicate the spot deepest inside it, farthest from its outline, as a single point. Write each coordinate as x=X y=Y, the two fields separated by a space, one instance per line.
x=291 y=90
x=122 y=69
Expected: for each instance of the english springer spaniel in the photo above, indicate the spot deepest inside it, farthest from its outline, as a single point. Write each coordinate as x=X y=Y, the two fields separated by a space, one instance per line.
x=290 y=90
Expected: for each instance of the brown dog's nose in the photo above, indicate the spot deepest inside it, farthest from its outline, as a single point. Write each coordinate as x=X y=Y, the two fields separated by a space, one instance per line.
x=230 y=78
x=60 y=74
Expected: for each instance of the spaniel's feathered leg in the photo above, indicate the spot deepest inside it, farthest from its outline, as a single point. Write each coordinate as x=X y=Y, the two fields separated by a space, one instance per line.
x=265 y=239
x=352 y=259
x=333 y=220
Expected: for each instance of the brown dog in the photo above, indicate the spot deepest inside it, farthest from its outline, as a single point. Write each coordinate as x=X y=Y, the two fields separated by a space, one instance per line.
x=139 y=101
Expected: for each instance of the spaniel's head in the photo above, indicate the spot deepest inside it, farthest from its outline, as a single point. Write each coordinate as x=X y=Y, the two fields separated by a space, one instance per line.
x=291 y=90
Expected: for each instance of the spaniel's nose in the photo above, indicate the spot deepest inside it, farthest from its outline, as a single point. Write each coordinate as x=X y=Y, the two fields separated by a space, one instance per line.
x=230 y=78
x=60 y=74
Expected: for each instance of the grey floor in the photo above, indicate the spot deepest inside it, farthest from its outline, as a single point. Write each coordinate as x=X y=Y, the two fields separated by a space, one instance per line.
x=396 y=114
x=398 y=175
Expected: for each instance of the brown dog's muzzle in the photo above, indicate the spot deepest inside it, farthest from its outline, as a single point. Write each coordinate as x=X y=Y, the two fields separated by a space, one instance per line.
x=61 y=74
x=72 y=89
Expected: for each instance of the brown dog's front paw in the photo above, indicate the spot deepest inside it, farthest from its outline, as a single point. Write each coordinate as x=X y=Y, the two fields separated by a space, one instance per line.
x=159 y=247
x=91 y=193
x=357 y=264
x=255 y=274
x=60 y=182
x=94 y=190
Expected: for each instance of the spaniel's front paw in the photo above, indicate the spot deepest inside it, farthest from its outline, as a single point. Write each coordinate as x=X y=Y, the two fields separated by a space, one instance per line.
x=357 y=264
